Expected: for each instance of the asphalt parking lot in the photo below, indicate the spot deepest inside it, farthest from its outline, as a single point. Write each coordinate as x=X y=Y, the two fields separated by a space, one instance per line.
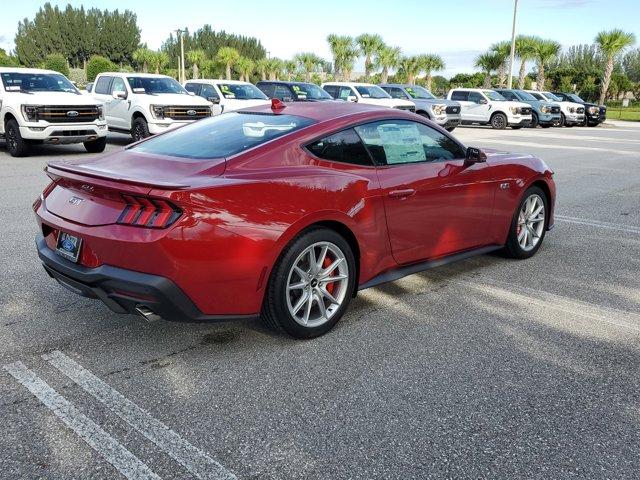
x=489 y=368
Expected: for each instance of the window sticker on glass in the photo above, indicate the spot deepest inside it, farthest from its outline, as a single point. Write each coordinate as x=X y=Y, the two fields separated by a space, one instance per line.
x=226 y=91
x=402 y=143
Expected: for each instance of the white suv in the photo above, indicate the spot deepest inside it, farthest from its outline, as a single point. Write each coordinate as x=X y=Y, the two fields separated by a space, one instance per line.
x=42 y=106
x=367 y=93
x=487 y=107
x=228 y=95
x=145 y=104
x=570 y=113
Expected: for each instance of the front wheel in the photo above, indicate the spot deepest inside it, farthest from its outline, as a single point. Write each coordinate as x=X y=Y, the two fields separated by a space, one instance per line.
x=499 y=121
x=139 y=129
x=311 y=284
x=96 y=146
x=528 y=225
x=16 y=145
x=534 y=121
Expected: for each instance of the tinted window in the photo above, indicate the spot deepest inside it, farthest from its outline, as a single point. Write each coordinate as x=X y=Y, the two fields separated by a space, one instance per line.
x=393 y=142
x=537 y=96
x=241 y=91
x=344 y=146
x=460 y=95
x=223 y=135
x=102 y=85
x=118 y=85
x=508 y=95
x=371 y=91
x=281 y=92
x=207 y=91
x=395 y=92
x=331 y=90
x=475 y=97
x=192 y=87
x=346 y=92
x=153 y=85
x=309 y=91
x=267 y=89
x=37 y=82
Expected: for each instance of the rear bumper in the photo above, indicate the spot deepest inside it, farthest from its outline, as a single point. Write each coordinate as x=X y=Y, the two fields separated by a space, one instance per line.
x=124 y=290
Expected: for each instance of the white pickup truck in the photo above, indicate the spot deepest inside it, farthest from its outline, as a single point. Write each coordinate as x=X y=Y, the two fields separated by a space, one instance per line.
x=366 y=93
x=143 y=104
x=488 y=107
x=227 y=95
x=42 y=106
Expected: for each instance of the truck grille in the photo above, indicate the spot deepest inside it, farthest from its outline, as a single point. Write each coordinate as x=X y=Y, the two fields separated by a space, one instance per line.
x=410 y=109
x=186 y=113
x=555 y=109
x=453 y=109
x=525 y=110
x=68 y=114
x=580 y=110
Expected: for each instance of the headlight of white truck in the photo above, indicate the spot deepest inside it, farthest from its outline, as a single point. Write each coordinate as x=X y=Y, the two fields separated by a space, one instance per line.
x=439 y=109
x=514 y=110
x=100 y=112
x=572 y=109
x=30 y=113
x=157 y=111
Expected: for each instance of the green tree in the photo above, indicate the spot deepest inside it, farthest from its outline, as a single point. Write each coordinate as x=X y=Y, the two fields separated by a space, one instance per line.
x=345 y=52
x=159 y=60
x=430 y=63
x=262 y=67
x=228 y=56
x=309 y=63
x=488 y=63
x=544 y=52
x=289 y=67
x=245 y=67
x=98 y=64
x=195 y=58
x=8 y=60
x=612 y=43
x=525 y=50
x=370 y=45
x=388 y=58
x=57 y=62
x=503 y=51
x=274 y=68
x=143 y=57
x=631 y=65
x=410 y=68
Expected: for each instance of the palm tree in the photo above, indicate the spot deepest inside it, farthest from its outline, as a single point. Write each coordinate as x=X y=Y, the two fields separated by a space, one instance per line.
x=370 y=45
x=388 y=57
x=309 y=62
x=488 y=62
x=525 y=49
x=228 y=56
x=262 y=66
x=431 y=62
x=274 y=68
x=289 y=66
x=345 y=53
x=245 y=66
x=611 y=44
x=159 y=60
x=143 y=57
x=503 y=51
x=195 y=58
x=545 y=51
x=411 y=68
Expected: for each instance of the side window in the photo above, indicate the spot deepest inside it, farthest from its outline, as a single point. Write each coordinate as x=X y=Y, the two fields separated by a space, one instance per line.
x=281 y=92
x=396 y=142
x=475 y=97
x=396 y=92
x=460 y=95
x=207 y=91
x=192 y=87
x=267 y=88
x=118 y=85
x=345 y=92
x=509 y=95
x=345 y=147
x=102 y=85
x=331 y=90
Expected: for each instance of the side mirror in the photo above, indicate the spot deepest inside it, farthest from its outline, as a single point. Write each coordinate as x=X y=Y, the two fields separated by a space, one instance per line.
x=214 y=100
x=483 y=101
x=352 y=98
x=119 y=95
x=475 y=155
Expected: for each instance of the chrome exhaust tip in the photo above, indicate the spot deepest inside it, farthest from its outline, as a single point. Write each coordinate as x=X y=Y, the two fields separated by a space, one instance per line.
x=146 y=313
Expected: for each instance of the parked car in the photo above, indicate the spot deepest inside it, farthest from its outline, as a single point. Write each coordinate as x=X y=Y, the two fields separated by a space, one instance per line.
x=488 y=107
x=143 y=104
x=366 y=93
x=43 y=106
x=594 y=115
x=284 y=212
x=571 y=113
x=227 y=95
x=445 y=113
x=543 y=113
x=293 y=91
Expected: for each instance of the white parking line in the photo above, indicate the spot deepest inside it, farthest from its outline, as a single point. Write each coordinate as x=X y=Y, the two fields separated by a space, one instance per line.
x=122 y=459
x=595 y=223
x=557 y=147
x=193 y=459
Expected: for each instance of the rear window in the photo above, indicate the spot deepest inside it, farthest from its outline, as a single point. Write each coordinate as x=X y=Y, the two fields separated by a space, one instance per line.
x=223 y=135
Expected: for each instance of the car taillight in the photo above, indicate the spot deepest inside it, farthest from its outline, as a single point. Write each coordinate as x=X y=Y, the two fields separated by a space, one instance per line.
x=148 y=212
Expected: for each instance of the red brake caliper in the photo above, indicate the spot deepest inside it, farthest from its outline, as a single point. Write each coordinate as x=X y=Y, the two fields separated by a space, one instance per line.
x=330 y=286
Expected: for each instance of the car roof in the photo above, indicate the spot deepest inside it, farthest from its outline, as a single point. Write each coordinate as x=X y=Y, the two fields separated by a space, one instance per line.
x=397 y=85
x=25 y=70
x=473 y=89
x=351 y=84
x=218 y=80
x=135 y=74
x=321 y=111
x=286 y=82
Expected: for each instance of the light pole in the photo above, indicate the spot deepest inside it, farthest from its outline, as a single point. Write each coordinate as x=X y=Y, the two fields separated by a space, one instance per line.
x=513 y=44
x=181 y=74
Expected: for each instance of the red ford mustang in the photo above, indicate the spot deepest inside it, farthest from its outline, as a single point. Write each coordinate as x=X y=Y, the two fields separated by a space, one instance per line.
x=283 y=212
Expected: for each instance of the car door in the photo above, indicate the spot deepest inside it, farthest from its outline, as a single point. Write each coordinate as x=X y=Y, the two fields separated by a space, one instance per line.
x=208 y=92
x=102 y=92
x=462 y=97
x=117 y=110
x=435 y=203
x=478 y=108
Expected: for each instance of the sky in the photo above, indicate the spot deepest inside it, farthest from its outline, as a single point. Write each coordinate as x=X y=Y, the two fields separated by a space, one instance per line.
x=458 y=30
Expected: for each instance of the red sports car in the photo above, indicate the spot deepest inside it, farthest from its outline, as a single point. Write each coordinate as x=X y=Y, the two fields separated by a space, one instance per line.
x=283 y=212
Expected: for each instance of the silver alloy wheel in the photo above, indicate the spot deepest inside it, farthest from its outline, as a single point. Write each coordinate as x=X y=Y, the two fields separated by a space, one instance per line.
x=531 y=220
x=317 y=284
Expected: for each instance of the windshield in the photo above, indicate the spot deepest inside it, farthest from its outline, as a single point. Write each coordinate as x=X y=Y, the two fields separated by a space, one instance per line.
x=222 y=135
x=526 y=96
x=155 y=85
x=419 y=92
x=241 y=91
x=495 y=96
x=37 y=82
x=371 y=91
x=309 y=91
x=537 y=96
x=551 y=96
x=574 y=97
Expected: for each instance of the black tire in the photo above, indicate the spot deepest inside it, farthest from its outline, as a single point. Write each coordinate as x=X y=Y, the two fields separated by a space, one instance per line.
x=499 y=121
x=96 y=146
x=16 y=145
x=450 y=129
x=535 y=121
x=275 y=312
x=563 y=120
x=546 y=125
x=139 y=129
x=512 y=247
x=516 y=127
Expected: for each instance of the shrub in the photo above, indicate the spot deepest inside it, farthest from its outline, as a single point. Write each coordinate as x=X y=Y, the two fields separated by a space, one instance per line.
x=77 y=75
x=98 y=64
x=58 y=63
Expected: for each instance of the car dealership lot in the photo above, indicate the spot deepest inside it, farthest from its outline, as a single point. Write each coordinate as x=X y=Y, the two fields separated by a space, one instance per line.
x=486 y=368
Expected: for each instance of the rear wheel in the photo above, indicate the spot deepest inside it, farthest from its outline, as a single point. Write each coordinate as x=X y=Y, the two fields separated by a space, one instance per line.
x=311 y=284
x=96 y=146
x=139 y=129
x=499 y=121
x=16 y=145
x=528 y=225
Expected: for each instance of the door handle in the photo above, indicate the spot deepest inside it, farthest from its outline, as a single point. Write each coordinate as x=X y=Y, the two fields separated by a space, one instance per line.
x=404 y=193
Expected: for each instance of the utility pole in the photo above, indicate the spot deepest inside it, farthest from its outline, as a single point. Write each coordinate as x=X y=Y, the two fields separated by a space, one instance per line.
x=181 y=74
x=513 y=44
